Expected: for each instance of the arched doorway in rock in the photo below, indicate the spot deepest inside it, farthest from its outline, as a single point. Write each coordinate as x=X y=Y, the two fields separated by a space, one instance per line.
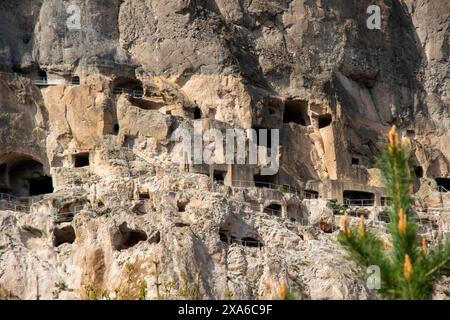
x=25 y=176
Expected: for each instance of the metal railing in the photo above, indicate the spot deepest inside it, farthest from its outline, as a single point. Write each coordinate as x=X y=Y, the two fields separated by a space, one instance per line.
x=41 y=82
x=311 y=195
x=16 y=207
x=7 y=197
x=47 y=82
x=260 y=184
x=273 y=212
x=13 y=203
x=66 y=216
x=246 y=243
x=136 y=93
x=360 y=202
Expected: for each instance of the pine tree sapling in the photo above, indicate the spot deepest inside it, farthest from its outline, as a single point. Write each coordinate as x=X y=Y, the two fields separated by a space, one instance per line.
x=408 y=269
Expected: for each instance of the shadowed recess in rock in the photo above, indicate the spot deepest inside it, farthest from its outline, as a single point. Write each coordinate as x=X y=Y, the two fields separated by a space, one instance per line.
x=125 y=238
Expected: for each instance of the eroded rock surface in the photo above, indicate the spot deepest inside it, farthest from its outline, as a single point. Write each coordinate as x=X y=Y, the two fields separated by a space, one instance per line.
x=92 y=103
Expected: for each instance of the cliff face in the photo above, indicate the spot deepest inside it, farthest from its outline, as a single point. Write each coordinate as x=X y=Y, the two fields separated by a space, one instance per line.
x=145 y=68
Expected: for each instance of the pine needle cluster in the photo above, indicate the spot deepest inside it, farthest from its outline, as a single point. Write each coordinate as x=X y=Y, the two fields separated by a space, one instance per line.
x=408 y=268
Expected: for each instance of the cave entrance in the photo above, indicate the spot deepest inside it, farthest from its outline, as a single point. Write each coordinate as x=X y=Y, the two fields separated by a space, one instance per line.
x=311 y=194
x=443 y=184
x=40 y=185
x=181 y=204
x=325 y=120
x=26 y=177
x=262 y=181
x=197 y=113
x=251 y=242
x=355 y=161
x=223 y=236
x=43 y=76
x=128 y=142
x=116 y=129
x=410 y=133
x=133 y=87
x=81 y=160
x=63 y=235
x=418 y=171
x=75 y=80
x=3 y=185
x=126 y=238
x=274 y=209
x=144 y=195
x=296 y=111
x=359 y=198
x=219 y=176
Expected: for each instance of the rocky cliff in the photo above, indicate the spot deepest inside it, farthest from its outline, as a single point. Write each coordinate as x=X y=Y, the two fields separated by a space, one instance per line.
x=91 y=93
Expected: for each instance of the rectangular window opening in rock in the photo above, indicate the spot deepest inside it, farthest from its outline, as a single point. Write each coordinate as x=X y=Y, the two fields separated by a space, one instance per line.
x=81 y=160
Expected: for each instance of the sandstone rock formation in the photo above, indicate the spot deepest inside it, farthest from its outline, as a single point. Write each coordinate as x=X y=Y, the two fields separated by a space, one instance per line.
x=92 y=92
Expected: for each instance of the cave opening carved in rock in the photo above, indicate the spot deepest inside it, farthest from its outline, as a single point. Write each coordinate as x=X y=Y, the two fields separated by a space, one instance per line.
x=418 y=171
x=311 y=194
x=273 y=209
x=443 y=184
x=251 y=242
x=42 y=74
x=325 y=120
x=22 y=176
x=219 y=176
x=265 y=181
x=197 y=113
x=123 y=85
x=81 y=160
x=63 y=235
x=125 y=238
x=296 y=111
x=359 y=198
x=181 y=204
x=3 y=186
x=75 y=80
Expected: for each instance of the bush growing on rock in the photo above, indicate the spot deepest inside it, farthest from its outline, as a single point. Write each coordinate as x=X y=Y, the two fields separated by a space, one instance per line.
x=408 y=269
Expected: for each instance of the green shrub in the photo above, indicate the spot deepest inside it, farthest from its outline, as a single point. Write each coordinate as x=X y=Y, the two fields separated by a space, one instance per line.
x=408 y=268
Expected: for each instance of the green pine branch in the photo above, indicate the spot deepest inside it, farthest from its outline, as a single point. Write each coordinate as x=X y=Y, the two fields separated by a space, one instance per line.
x=408 y=268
